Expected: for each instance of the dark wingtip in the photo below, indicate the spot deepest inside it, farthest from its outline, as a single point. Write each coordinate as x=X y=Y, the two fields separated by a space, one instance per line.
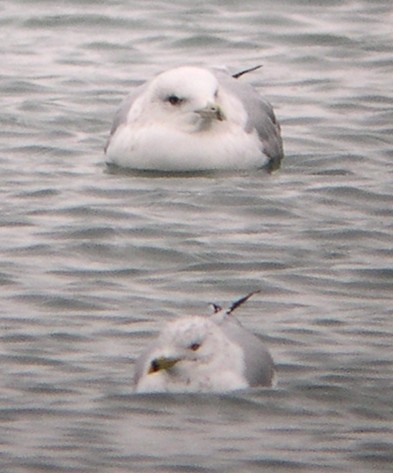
x=239 y=74
x=241 y=301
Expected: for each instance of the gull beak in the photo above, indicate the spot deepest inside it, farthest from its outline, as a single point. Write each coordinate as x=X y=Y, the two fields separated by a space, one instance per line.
x=162 y=363
x=212 y=110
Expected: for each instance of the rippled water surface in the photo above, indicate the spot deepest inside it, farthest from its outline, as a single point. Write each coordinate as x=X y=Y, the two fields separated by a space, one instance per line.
x=92 y=262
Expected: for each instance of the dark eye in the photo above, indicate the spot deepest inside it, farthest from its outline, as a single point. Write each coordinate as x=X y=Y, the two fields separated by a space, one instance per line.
x=174 y=100
x=195 y=346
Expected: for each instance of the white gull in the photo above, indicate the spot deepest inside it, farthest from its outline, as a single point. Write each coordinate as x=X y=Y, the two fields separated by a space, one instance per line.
x=204 y=354
x=195 y=119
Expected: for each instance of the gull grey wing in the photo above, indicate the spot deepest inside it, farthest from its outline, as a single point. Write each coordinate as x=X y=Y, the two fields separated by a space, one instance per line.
x=122 y=112
x=261 y=116
x=258 y=361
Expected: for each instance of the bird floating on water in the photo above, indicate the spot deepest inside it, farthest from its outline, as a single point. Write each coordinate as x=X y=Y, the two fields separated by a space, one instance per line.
x=205 y=354
x=195 y=119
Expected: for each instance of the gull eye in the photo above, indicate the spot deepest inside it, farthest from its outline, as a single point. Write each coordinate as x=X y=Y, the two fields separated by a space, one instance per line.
x=195 y=346
x=174 y=100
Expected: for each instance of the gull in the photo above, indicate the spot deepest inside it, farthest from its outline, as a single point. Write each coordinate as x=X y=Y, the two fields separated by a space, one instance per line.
x=204 y=354
x=192 y=118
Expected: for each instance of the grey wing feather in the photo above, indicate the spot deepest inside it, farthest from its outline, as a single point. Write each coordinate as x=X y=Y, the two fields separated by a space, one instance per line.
x=258 y=361
x=122 y=112
x=261 y=116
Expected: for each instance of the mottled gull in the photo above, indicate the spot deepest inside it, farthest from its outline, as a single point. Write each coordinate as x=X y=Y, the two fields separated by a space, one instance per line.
x=195 y=119
x=204 y=354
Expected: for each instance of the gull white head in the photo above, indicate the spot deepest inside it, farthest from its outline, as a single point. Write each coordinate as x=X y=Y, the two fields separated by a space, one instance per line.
x=188 y=96
x=193 y=354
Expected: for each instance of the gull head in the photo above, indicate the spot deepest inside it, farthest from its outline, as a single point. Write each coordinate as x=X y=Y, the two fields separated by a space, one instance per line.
x=192 y=354
x=187 y=95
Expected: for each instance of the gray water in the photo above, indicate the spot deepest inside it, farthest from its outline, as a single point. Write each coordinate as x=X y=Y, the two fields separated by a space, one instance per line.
x=93 y=262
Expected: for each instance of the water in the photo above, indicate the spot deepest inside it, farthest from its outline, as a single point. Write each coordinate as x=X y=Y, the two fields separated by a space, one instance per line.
x=92 y=262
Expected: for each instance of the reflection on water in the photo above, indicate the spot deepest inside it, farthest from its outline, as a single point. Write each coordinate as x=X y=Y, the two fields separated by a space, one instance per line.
x=93 y=260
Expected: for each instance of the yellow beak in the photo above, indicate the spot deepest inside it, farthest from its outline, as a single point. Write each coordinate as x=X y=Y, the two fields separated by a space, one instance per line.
x=162 y=363
x=212 y=110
